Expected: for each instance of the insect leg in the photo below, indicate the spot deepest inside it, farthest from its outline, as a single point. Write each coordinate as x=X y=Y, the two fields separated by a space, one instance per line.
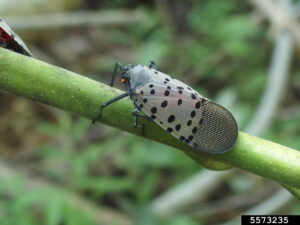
x=105 y=104
x=136 y=115
x=152 y=64
x=117 y=66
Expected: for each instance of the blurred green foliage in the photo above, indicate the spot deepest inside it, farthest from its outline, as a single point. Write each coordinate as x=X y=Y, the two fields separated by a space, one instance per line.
x=117 y=167
x=218 y=49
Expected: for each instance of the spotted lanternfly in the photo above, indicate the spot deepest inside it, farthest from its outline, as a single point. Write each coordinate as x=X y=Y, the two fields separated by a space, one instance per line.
x=10 y=40
x=177 y=108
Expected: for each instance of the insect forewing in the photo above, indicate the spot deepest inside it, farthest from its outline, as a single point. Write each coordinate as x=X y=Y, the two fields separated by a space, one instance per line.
x=186 y=114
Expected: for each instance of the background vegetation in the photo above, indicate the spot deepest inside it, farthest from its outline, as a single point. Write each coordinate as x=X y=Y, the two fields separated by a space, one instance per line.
x=58 y=168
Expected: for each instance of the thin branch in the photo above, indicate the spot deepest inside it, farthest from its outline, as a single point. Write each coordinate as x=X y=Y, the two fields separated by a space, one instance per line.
x=75 y=19
x=36 y=80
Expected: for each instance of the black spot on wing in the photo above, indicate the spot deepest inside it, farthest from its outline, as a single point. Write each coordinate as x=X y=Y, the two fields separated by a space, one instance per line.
x=193 y=113
x=170 y=130
x=171 y=118
x=195 y=129
x=164 y=104
x=193 y=96
x=201 y=121
x=154 y=110
x=189 y=123
x=178 y=127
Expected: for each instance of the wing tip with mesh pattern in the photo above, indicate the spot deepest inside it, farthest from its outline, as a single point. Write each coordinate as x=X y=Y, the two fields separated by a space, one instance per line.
x=219 y=130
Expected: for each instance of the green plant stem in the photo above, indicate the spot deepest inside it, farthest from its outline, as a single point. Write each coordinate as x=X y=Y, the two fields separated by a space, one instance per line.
x=66 y=90
x=293 y=190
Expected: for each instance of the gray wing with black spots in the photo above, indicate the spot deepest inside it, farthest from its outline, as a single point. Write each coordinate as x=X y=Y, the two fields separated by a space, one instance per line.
x=187 y=115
